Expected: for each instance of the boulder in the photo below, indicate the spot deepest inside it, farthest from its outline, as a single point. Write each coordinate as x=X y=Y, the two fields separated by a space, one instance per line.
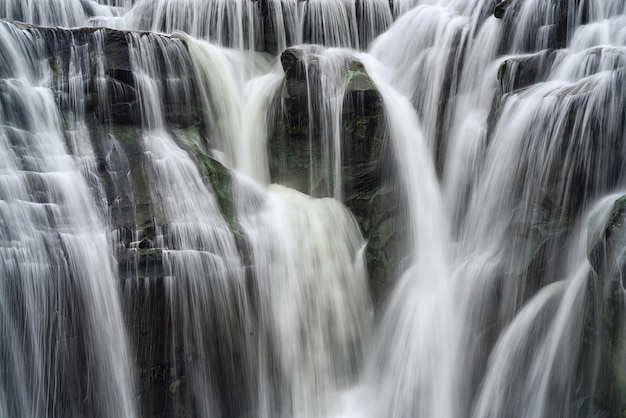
x=370 y=188
x=525 y=70
x=501 y=8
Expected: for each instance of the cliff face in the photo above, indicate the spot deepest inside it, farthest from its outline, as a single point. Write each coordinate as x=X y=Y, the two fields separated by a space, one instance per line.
x=111 y=106
x=94 y=81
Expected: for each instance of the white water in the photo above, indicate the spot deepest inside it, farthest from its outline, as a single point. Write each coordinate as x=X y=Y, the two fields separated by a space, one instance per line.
x=486 y=316
x=196 y=241
x=526 y=390
x=414 y=355
x=315 y=311
x=54 y=13
x=434 y=34
x=59 y=301
x=234 y=87
x=247 y=24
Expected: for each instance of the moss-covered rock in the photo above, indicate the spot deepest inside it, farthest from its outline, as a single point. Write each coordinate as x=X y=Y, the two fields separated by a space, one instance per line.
x=370 y=188
x=295 y=144
x=220 y=179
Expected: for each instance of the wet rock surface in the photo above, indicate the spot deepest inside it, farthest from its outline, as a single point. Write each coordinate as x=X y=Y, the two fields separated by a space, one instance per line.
x=604 y=350
x=110 y=110
x=370 y=186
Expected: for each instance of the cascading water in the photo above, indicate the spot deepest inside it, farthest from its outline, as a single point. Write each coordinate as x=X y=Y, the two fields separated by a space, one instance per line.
x=416 y=375
x=453 y=246
x=311 y=300
x=57 y=12
x=548 y=347
x=60 y=305
x=202 y=269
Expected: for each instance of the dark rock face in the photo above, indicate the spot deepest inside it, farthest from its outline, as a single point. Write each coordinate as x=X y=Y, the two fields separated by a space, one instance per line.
x=108 y=79
x=585 y=169
x=154 y=307
x=500 y=9
x=99 y=64
x=370 y=187
x=140 y=265
x=581 y=171
x=523 y=71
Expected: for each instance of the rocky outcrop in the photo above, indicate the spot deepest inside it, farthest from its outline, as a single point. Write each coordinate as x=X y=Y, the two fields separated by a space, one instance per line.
x=107 y=76
x=522 y=71
x=370 y=188
x=501 y=8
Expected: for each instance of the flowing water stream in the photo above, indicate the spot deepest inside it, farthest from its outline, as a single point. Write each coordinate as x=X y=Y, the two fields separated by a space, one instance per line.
x=151 y=266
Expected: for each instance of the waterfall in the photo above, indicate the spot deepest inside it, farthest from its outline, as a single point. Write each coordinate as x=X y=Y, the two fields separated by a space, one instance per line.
x=554 y=362
x=57 y=12
x=311 y=295
x=60 y=305
x=415 y=376
x=312 y=208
